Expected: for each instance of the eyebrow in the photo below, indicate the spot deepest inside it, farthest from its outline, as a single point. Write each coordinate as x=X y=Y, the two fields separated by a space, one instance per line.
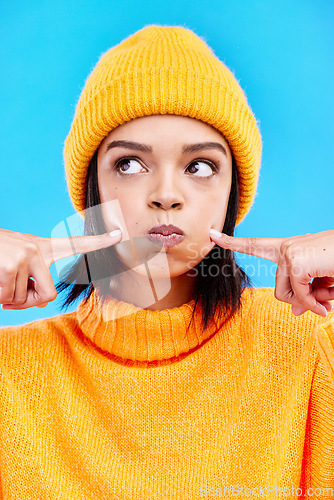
x=187 y=148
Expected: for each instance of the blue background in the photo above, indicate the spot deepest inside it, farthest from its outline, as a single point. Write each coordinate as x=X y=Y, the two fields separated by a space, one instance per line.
x=281 y=52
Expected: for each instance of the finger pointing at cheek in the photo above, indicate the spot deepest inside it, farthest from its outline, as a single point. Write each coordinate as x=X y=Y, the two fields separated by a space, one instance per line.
x=299 y=259
x=266 y=248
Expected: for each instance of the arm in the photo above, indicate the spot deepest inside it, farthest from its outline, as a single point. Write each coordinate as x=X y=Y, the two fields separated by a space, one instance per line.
x=318 y=459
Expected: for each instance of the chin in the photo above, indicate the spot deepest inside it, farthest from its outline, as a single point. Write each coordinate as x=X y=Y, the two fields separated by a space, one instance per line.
x=160 y=269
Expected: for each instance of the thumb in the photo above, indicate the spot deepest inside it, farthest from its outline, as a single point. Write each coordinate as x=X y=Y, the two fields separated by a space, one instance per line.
x=73 y=245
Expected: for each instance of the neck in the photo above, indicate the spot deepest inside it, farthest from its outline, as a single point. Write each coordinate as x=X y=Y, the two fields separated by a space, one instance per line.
x=156 y=294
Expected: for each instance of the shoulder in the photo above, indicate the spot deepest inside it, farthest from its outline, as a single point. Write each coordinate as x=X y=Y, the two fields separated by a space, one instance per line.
x=38 y=327
x=261 y=303
x=273 y=321
x=35 y=341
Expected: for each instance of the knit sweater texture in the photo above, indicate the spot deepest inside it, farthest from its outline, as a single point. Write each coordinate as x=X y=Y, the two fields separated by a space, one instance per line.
x=124 y=403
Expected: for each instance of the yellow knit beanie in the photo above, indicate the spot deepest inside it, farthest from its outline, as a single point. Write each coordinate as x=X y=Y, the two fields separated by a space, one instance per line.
x=162 y=70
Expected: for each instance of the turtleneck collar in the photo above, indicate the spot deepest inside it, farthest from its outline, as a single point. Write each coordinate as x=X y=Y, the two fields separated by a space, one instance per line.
x=132 y=333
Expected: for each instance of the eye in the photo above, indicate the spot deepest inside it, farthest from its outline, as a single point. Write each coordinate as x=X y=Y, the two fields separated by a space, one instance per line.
x=195 y=167
x=198 y=168
x=128 y=166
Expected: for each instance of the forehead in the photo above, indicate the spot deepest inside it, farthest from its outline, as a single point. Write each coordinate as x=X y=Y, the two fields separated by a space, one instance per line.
x=156 y=128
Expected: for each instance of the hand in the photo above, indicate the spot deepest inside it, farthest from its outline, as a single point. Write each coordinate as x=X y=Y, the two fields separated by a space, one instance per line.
x=23 y=256
x=299 y=259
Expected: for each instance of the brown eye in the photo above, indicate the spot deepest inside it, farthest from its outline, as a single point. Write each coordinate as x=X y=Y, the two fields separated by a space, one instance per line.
x=127 y=166
x=197 y=167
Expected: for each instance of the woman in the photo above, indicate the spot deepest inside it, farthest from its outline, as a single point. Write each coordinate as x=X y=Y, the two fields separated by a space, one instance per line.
x=174 y=378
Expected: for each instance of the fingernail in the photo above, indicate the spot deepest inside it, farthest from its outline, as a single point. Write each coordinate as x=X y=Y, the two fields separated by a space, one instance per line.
x=116 y=232
x=214 y=232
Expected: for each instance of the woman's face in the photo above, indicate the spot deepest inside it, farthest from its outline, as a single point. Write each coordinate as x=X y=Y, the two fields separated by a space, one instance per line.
x=177 y=171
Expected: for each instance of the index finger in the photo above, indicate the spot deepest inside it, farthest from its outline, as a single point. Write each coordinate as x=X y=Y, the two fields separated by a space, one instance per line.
x=267 y=248
x=67 y=246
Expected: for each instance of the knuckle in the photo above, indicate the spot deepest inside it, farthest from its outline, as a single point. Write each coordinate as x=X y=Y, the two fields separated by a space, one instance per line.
x=294 y=256
x=9 y=269
x=21 y=257
x=50 y=296
x=8 y=272
x=31 y=248
x=7 y=299
x=43 y=304
x=20 y=300
x=290 y=252
x=283 y=296
x=286 y=246
x=227 y=240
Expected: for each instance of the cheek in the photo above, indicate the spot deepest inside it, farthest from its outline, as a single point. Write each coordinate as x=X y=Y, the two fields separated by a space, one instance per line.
x=212 y=214
x=118 y=208
x=114 y=217
x=195 y=251
x=218 y=212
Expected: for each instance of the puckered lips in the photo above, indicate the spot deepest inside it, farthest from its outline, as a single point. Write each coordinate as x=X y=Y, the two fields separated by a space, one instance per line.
x=169 y=235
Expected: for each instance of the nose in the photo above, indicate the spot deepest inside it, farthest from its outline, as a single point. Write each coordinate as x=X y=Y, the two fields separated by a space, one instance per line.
x=166 y=193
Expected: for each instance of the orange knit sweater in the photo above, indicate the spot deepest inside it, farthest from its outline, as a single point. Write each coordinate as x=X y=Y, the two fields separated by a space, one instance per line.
x=123 y=404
